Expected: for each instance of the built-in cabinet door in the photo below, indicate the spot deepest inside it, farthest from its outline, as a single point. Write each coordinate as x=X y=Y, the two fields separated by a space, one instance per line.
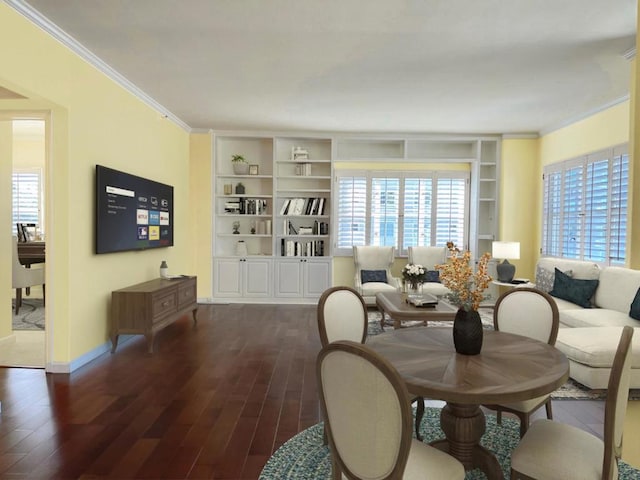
x=242 y=277
x=302 y=277
x=289 y=278
x=257 y=277
x=227 y=277
x=317 y=277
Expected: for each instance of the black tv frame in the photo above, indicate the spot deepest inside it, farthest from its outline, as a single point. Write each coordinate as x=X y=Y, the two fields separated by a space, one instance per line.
x=132 y=212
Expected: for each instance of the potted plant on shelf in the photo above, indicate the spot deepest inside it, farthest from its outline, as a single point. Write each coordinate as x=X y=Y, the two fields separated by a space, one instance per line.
x=240 y=165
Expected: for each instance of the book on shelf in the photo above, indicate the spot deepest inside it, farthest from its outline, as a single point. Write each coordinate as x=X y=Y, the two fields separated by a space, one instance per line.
x=292 y=248
x=285 y=206
x=303 y=169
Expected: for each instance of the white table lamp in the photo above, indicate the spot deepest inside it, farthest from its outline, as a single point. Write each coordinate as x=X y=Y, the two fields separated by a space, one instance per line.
x=506 y=250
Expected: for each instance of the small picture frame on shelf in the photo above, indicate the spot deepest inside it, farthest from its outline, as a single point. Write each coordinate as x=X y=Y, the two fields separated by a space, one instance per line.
x=253 y=170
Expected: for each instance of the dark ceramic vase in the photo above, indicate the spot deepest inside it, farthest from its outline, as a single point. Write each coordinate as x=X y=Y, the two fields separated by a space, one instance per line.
x=467 y=332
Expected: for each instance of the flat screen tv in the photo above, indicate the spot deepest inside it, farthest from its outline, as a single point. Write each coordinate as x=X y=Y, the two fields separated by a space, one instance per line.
x=132 y=213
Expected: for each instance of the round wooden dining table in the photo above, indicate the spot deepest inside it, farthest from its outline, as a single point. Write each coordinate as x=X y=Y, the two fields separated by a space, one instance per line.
x=509 y=368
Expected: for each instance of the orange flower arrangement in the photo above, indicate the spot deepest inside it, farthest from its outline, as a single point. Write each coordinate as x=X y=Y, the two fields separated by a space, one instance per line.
x=466 y=286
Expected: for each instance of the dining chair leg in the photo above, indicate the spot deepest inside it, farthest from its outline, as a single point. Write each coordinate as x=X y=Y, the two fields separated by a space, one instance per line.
x=499 y=417
x=419 y=415
x=18 y=299
x=524 y=423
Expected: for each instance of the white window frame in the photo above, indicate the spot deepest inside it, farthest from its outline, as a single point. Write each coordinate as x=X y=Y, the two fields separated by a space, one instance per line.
x=18 y=219
x=402 y=176
x=574 y=180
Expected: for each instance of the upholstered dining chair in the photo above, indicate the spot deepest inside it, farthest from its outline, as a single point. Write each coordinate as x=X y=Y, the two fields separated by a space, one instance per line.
x=373 y=271
x=554 y=451
x=531 y=313
x=22 y=277
x=342 y=315
x=368 y=419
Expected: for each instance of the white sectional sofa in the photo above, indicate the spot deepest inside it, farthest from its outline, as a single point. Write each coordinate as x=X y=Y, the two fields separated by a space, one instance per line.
x=589 y=336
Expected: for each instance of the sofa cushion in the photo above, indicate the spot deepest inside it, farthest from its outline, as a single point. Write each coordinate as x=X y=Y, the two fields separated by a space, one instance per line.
x=580 y=269
x=595 y=317
x=432 y=276
x=618 y=287
x=595 y=346
x=373 y=276
x=574 y=290
x=634 y=311
x=370 y=289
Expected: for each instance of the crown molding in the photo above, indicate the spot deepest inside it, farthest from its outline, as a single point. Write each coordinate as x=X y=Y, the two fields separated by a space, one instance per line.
x=520 y=136
x=582 y=116
x=56 y=32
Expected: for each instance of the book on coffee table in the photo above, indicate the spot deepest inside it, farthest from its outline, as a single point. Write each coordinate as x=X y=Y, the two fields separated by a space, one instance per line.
x=426 y=300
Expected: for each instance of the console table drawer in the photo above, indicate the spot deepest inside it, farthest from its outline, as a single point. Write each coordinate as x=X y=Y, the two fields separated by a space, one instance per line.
x=187 y=294
x=163 y=305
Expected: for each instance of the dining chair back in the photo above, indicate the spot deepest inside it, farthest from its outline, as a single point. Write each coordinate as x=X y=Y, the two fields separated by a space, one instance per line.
x=529 y=312
x=534 y=314
x=342 y=315
x=22 y=277
x=554 y=450
x=368 y=418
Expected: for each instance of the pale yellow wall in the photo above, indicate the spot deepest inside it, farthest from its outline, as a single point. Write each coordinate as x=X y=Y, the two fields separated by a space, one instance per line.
x=601 y=130
x=201 y=210
x=520 y=176
x=5 y=219
x=93 y=121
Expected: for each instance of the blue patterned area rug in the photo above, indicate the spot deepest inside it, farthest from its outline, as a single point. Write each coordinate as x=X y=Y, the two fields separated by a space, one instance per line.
x=303 y=457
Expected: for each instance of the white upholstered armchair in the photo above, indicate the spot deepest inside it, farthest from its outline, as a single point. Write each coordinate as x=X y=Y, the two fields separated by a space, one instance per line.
x=429 y=257
x=373 y=272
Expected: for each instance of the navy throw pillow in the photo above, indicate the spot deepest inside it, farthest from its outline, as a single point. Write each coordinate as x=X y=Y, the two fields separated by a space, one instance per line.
x=634 y=312
x=573 y=290
x=367 y=276
x=432 y=276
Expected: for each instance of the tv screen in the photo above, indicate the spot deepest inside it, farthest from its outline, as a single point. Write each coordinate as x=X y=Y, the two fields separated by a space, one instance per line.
x=132 y=213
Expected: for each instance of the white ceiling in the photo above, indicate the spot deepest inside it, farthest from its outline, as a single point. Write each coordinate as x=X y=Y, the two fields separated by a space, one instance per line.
x=491 y=66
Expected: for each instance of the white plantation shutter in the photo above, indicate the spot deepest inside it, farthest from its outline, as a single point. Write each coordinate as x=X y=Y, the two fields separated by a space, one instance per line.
x=572 y=212
x=385 y=207
x=418 y=211
x=618 y=208
x=596 y=211
x=405 y=209
x=451 y=211
x=585 y=207
x=26 y=198
x=552 y=213
x=352 y=211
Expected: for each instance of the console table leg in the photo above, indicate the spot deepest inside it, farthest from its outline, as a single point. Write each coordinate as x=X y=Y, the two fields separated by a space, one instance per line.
x=194 y=312
x=114 y=343
x=149 y=337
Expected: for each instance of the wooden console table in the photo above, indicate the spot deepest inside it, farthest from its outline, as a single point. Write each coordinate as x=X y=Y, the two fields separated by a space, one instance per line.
x=148 y=307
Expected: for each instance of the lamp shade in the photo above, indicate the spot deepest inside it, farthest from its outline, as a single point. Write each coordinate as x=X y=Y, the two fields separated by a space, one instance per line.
x=510 y=250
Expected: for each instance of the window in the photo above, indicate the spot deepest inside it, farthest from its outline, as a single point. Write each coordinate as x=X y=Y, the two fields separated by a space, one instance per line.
x=27 y=197
x=585 y=207
x=401 y=209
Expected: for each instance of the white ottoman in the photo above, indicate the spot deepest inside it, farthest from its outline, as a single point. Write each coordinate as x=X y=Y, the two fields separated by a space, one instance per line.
x=590 y=351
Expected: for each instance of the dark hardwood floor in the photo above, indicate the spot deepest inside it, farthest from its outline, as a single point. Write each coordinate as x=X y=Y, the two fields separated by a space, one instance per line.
x=213 y=402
